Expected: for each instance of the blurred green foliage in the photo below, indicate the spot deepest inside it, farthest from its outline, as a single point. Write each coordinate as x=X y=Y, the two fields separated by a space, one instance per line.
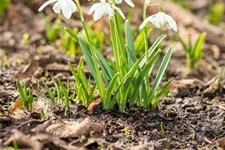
x=183 y=3
x=193 y=52
x=54 y=31
x=215 y=13
x=3 y=5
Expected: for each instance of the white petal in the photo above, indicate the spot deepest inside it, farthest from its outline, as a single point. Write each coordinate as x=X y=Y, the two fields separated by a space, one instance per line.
x=119 y=11
x=46 y=4
x=109 y=10
x=99 y=13
x=57 y=7
x=159 y=20
x=118 y=1
x=94 y=7
x=72 y=5
x=172 y=23
x=66 y=10
x=129 y=2
x=144 y=23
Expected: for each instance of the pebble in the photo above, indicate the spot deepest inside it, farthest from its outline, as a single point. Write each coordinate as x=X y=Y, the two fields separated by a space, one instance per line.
x=179 y=101
x=10 y=87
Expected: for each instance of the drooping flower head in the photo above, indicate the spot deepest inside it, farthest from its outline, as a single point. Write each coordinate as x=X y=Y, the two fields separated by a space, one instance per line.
x=103 y=8
x=160 y=19
x=67 y=7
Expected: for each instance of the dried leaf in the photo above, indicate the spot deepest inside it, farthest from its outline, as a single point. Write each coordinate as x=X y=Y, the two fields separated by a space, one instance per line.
x=17 y=104
x=93 y=105
x=177 y=85
x=221 y=143
x=23 y=140
x=57 y=67
x=184 y=83
x=29 y=71
x=75 y=130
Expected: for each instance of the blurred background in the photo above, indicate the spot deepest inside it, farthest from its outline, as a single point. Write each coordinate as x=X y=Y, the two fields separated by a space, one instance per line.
x=26 y=33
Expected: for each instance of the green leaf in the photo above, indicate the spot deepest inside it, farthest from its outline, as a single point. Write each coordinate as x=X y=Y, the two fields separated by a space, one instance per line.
x=152 y=49
x=139 y=42
x=186 y=49
x=75 y=36
x=127 y=80
x=92 y=93
x=22 y=92
x=104 y=64
x=50 y=93
x=89 y=60
x=162 y=92
x=83 y=89
x=129 y=38
x=109 y=91
x=142 y=76
x=160 y=74
x=130 y=56
x=197 y=50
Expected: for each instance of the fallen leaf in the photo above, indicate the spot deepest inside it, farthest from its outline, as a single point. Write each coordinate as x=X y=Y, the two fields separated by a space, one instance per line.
x=75 y=130
x=178 y=85
x=212 y=86
x=13 y=15
x=23 y=140
x=17 y=104
x=30 y=70
x=42 y=127
x=57 y=67
x=221 y=143
x=37 y=141
x=93 y=105
x=184 y=83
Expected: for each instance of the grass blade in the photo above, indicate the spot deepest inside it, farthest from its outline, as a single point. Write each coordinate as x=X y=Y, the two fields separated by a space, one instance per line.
x=160 y=74
x=142 y=75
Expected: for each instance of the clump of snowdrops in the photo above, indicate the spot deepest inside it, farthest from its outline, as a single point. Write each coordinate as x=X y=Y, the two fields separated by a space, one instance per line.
x=124 y=80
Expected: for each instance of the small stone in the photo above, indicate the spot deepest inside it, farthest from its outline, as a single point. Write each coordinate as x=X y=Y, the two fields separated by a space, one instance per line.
x=179 y=101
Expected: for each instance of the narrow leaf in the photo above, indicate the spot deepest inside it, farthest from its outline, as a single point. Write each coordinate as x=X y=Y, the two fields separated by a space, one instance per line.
x=197 y=50
x=142 y=75
x=160 y=74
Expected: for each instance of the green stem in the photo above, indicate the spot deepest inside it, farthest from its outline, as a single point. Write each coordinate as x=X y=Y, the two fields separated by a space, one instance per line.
x=145 y=34
x=147 y=86
x=101 y=85
x=114 y=45
x=190 y=63
x=118 y=51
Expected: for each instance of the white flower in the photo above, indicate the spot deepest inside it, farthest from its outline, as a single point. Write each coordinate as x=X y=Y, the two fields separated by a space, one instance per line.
x=129 y=2
x=67 y=7
x=104 y=8
x=159 y=20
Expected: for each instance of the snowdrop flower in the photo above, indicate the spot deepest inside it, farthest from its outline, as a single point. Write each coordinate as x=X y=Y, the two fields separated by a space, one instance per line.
x=104 y=8
x=129 y=2
x=67 y=7
x=159 y=20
